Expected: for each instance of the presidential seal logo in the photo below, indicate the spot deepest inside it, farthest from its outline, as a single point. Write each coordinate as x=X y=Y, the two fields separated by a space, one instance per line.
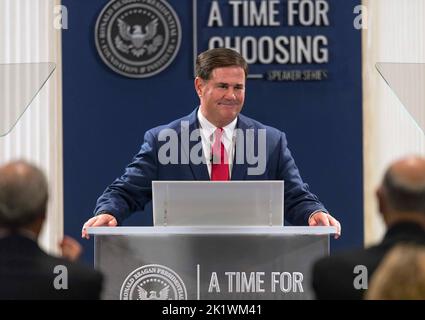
x=138 y=38
x=153 y=282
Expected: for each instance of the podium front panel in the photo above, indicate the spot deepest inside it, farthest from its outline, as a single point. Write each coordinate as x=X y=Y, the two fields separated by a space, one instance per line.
x=207 y=263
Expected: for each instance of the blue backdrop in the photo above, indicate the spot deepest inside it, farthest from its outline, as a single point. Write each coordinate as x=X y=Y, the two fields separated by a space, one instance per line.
x=105 y=116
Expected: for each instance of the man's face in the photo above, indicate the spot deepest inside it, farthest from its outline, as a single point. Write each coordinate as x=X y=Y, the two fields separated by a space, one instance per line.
x=223 y=95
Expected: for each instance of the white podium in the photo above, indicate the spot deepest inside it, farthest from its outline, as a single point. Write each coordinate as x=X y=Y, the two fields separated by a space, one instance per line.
x=177 y=263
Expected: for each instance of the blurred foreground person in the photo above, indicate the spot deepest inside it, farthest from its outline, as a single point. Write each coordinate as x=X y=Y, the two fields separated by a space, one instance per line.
x=401 y=199
x=400 y=276
x=26 y=271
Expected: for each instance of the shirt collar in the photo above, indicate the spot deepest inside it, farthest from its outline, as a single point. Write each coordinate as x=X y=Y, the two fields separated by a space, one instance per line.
x=209 y=128
x=4 y=232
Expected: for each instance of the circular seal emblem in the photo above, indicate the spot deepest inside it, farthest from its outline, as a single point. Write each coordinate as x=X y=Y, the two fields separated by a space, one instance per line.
x=138 y=38
x=153 y=282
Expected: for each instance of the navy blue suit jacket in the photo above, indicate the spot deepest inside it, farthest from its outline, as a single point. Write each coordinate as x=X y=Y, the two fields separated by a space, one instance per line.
x=27 y=272
x=133 y=190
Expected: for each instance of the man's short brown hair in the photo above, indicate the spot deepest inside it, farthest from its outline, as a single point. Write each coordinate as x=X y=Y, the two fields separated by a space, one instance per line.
x=211 y=59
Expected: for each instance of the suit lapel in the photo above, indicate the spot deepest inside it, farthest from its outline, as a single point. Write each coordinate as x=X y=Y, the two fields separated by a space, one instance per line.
x=200 y=171
x=239 y=170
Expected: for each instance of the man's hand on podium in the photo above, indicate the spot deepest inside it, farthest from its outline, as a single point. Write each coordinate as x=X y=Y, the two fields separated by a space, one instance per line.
x=102 y=220
x=325 y=219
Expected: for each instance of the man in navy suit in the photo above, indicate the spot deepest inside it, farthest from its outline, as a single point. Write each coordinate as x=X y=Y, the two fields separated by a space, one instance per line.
x=188 y=149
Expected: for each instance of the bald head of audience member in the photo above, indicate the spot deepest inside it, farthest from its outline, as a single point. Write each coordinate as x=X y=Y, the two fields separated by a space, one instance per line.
x=23 y=197
x=402 y=192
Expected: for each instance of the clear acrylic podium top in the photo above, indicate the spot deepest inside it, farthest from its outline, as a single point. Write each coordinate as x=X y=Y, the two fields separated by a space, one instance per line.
x=19 y=84
x=215 y=203
x=407 y=80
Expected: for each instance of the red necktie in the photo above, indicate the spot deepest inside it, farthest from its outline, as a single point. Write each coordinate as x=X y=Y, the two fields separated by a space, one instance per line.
x=220 y=163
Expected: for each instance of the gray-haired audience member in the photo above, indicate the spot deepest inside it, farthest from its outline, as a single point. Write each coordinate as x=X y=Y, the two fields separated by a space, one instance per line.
x=26 y=271
x=401 y=199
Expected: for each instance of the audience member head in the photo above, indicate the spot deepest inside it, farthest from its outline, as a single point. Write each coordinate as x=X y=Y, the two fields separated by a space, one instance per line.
x=402 y=192
x=23 y=197
x=400 y=276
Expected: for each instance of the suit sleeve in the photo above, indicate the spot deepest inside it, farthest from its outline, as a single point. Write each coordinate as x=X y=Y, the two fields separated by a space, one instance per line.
x=133 y=190
x=299 y=201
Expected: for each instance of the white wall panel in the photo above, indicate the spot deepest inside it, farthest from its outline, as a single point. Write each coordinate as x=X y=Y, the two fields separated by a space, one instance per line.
x=27 y=35
x=396 y=33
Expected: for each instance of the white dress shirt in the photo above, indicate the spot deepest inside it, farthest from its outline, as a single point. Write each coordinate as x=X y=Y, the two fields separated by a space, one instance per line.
x=207 y=137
